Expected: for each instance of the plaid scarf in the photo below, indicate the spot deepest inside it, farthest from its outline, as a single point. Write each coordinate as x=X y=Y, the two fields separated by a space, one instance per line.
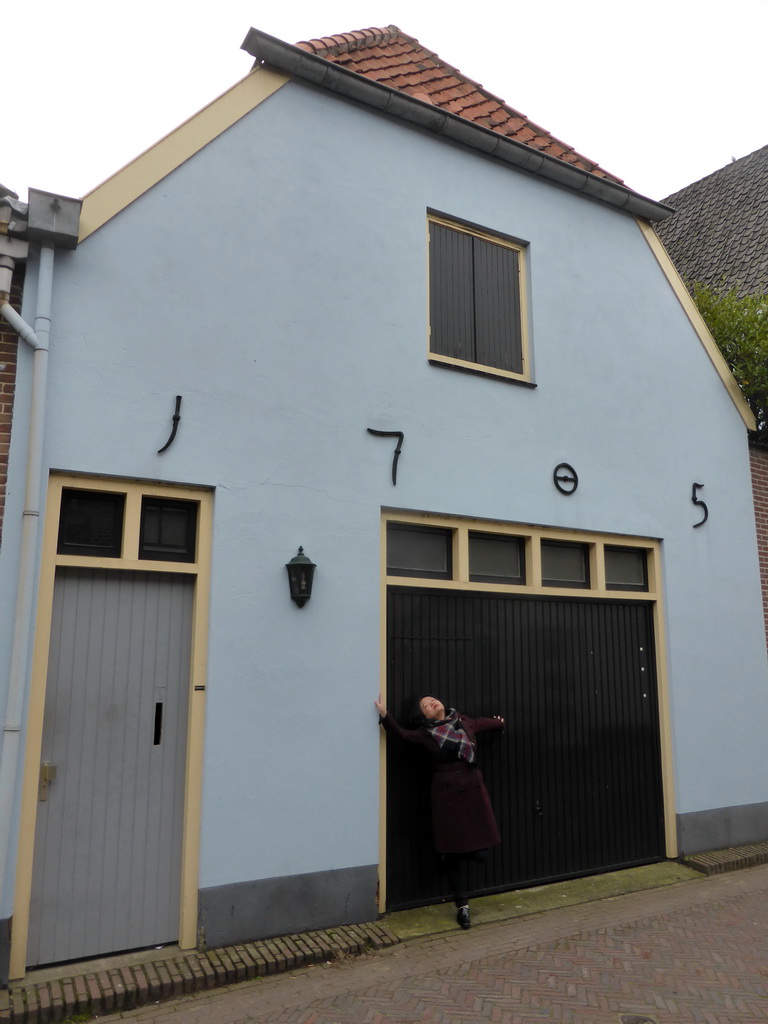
x=449 y=732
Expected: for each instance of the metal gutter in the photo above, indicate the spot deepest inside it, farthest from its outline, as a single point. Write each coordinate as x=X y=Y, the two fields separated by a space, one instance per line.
x=53 y=221
x=37 y=339
x=317 y=71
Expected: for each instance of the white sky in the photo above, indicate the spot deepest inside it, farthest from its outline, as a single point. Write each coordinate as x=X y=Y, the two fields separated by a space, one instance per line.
x=659 y=92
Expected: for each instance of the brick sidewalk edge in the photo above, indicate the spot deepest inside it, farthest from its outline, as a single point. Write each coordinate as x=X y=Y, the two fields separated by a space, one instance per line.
x=126 y=988
x=733 y=858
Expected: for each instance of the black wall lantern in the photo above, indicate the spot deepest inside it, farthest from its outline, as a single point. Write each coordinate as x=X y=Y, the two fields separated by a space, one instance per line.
x=300 y=573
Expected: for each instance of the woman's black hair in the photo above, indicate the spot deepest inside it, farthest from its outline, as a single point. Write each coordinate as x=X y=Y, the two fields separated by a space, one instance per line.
x=417 y=716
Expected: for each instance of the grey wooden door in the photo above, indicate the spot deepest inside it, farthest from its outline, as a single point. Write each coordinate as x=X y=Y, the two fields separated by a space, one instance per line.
x=107 y=861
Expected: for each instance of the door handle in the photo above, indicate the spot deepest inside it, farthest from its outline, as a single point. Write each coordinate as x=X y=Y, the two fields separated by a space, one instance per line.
x=47 y=775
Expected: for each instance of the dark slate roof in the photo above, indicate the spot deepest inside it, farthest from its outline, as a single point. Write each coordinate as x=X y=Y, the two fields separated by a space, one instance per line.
x=719 y=232
x=389 y=56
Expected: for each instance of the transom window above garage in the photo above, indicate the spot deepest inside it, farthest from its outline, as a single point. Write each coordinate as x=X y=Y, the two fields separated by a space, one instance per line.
x=626 y=568
x=419 y=551
x=463 y=554
x=496 y=558
x=477 y=314
x=564 y=564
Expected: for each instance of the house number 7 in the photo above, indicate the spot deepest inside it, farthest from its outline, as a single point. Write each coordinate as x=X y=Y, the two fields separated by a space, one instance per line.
x=398 y=447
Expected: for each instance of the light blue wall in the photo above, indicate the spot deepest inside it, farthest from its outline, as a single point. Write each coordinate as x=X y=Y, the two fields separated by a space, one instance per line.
x=277 y=281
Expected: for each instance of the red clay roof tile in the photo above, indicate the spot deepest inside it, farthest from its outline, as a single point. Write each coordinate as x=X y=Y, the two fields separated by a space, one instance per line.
x=389 y=56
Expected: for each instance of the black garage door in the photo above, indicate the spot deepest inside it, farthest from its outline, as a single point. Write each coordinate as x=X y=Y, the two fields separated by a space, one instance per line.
x=575 y=780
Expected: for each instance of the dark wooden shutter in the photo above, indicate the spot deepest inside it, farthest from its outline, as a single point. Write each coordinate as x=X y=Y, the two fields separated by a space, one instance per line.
x=497 y=307
x=474 y=300
x=451 y=293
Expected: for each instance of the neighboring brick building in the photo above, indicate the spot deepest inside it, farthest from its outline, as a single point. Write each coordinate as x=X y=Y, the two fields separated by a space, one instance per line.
x=8 y=346
x=758 y=458
x=719 y=236
x=8 y=343
x=719 y=232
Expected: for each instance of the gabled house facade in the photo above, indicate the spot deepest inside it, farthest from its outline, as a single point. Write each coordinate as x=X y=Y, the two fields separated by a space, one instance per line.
x=359 y=307
x=718 y=237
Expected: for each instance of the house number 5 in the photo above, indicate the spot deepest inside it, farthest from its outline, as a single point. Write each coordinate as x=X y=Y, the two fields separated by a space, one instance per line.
x=700 y=503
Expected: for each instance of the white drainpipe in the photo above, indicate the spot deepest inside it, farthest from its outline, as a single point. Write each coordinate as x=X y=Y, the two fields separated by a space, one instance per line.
x=38 y=340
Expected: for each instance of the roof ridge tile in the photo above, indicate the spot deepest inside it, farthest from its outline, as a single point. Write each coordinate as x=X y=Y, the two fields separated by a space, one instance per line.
x=347 y=41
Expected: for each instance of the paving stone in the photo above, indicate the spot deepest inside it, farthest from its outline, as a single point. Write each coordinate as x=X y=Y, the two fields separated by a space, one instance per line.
x=683 y=953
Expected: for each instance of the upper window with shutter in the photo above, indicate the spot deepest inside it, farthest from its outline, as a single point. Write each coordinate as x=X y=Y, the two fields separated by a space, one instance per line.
x=477 y=318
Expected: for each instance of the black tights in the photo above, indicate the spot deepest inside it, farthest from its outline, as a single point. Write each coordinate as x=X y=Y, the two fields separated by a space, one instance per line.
x=453 y=866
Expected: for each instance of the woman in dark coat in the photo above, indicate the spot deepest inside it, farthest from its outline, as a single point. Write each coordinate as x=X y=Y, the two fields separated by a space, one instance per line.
x=463 y=823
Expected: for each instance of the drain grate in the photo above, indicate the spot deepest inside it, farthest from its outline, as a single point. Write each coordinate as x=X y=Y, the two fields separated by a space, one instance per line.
x=635 y=1018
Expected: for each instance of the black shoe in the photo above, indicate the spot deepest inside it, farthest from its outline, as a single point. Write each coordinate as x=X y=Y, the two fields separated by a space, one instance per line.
x=462 y=917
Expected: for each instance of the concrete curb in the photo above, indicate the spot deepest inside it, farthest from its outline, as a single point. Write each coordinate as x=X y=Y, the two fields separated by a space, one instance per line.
x=126 y=988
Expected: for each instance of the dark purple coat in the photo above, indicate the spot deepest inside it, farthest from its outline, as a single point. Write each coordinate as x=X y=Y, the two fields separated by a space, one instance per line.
x=462 y=816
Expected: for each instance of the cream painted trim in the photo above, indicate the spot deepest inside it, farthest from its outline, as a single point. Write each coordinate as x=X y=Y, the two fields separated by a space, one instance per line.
x=137 y=177
x=137 y=564
x=134 y=492
x=28 y=818
x=382 y=889
x=697 y=322
x=193 y=792
x=526 y=377
x=532 y=535
x=481 y=369
x=665 y=721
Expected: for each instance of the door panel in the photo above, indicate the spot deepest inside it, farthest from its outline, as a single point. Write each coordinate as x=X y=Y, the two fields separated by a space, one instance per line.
x=106 y=871
x=575 y=780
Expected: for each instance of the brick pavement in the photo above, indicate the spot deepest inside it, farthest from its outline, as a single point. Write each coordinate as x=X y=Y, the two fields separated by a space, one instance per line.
x=692 y=952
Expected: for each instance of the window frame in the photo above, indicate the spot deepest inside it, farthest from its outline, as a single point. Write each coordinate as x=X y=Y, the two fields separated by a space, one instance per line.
x=547 y=543
x=84 y=550
x=476 y=365
x=511 y=538
x=531 y=538
x=639 y=588
x=426 y=574
x=145 y=552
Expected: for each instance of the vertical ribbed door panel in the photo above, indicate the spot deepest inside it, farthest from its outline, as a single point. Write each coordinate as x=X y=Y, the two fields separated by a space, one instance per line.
x=575 y=780
x=106 y=872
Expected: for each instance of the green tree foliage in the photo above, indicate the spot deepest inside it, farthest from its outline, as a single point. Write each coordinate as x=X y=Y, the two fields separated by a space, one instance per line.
x=739 y=325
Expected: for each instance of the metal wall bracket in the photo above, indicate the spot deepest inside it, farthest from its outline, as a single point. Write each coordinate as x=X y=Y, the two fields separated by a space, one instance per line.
x=398 y=448
x=174 y=428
